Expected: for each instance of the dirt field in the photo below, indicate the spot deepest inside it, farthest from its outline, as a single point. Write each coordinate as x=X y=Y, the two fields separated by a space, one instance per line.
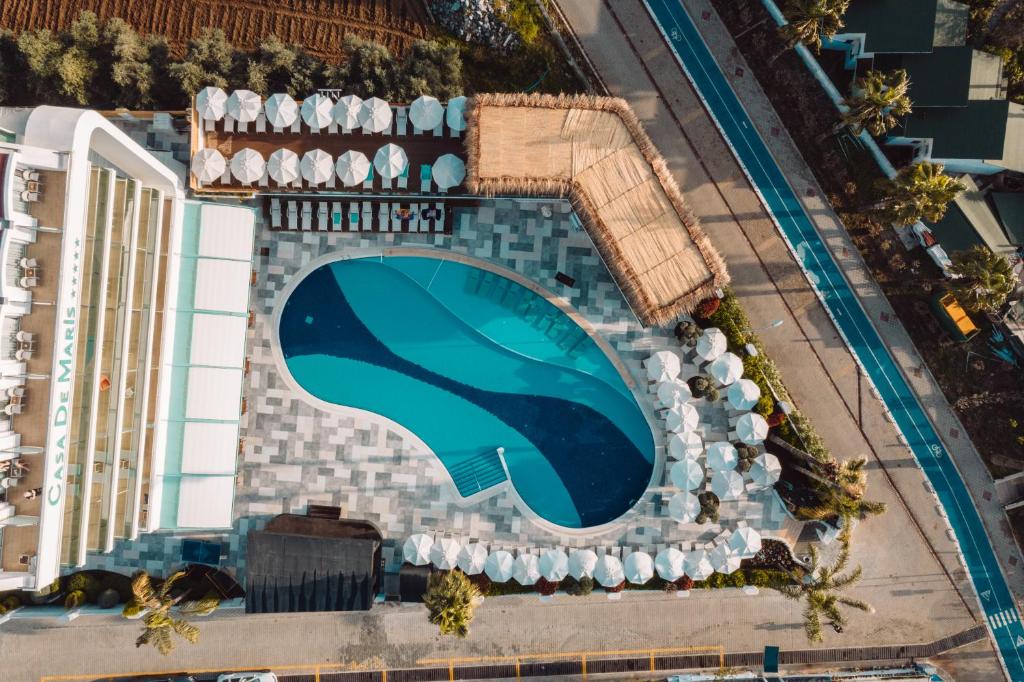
x=319 y=25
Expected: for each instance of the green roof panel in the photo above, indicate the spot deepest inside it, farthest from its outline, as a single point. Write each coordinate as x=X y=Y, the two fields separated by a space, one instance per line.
x=954 y=232
x=976 y=131
x=1010 y=207
x=893 y=25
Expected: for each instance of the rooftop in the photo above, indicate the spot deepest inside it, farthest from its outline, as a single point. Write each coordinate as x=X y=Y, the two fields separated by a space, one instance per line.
x=975 y=131
x=949 y=76
x=895 y=25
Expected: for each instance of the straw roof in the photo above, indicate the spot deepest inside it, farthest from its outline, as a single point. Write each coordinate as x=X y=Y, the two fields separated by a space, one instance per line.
x=594 y=151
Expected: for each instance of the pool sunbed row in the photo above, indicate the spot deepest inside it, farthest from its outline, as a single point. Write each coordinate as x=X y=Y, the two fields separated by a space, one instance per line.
x=400 y=126
x=359 y=216
x=373 y=182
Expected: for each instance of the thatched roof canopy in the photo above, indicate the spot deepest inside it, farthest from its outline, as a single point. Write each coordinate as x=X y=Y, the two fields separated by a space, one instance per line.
x=594 y=151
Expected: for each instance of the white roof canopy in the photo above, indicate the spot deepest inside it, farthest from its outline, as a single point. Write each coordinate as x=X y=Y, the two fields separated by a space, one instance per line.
x=226 y=232
x=222 y=285
x=214 y=393
x=209 y=448
x=205 y=501
x=218 y=340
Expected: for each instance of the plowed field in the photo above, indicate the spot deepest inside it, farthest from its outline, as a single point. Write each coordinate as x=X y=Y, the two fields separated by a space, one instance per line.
x=319 y=25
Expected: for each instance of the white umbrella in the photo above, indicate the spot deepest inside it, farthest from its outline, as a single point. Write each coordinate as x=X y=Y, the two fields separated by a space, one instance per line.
x=554 y=565
x=317 y=111
x=669 y=564
x=582 y=563
x=686 y=474
x=722 y=456
x=472 y=558
x=727 y=368
x=684 y=507
x=766 y=470
x=445 y=554
x=751 y=428
x=281 y=110
x=375 y=115
x=416 y=549
x=685 y=445
x=283 y=166
x=390 y=160
x=663 y=366
x=426 y=112
x=499 y=566
x=608 y=571
x=211 y=103
x=247 y=165
x=681 y=418
x=346 y=112
x=727 y=485
x=317 y=166
x=724 y=559
x=697 y=565
x=745 y=541
x=638 y=567
x=352 y=167
x=208 y=165
x=526 y=570
x=455 y=115
x=448 y=171
x=744 y=394
x=711 y=343
x=244 y=106
x=672 y=392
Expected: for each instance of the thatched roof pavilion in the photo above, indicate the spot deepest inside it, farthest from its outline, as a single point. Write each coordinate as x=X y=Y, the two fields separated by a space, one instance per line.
x=594 y=151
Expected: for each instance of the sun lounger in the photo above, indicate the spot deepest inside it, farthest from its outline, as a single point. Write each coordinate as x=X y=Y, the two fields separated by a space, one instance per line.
x=275 y=213
x=391 y=126
x=414 y=221
x=332 y=128
x=439 y=130
x=403 y=120
x=367 y=221
x=368 y=182
x=261 y=123
x=243 y=127
x=439 y=221
x=209 y=125
x=396 y=221
x=297 y=126
x=265 y=180
x=336 y=216
x=426 y=176
x=385 y=183
x=322 y=217
x=293 y=216
x=297 y=183
x=307 y=216
x=229 y=124
x=454 y=133
x=352 y=218
x=226 y=178
x=330 y=180
x=383 y=217
x=403 y=179
x=278 y=130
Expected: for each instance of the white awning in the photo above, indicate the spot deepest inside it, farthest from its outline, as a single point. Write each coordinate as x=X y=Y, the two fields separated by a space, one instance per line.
x=222 y=285
x=213 y=393
x=205 y=501
x=209 y=448
x=226 y=232
x=218 y=340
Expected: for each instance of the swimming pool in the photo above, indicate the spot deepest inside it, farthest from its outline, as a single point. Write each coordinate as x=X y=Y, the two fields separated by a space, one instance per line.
x=470 y=361
x=853 y=323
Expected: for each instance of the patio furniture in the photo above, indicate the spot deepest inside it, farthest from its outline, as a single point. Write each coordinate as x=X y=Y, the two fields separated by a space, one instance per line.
x=368 y=182
x=28 y=262
x=439 y=219
x=293 y=216
x=29 y=197
x=23 y=335
x=402 y=127
x=383 y=217
x=336 y=216
x=29 y=175
x=32 y=186
x=439 y=129
x=229 y=124
x=414 y=219
x=275 y=213
x=321 y=215
x=16 y=392
x=11 y=409
x=425 y=177
x=396 y=218
x=28 y=282
x=261 y=123
x=367 y=220
x=353 y=217
x=264 y=179
x=403 y=179
x=307 y=216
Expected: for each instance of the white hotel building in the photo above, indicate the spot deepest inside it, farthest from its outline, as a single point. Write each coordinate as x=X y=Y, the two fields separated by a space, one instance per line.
x=123 y=317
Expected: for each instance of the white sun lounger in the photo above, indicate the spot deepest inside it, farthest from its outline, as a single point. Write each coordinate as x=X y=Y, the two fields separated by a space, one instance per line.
x=226 y=178
x=336 y=216
x=307 y=215
x=297 y=126
x=367 y=221
x=275 y=213
x=265 y=180
x=322 y=216
x=332 y=128
x=403 y=120
x=439 y=221
x=396 y=222
x=209 y=125
x=403 y=179
x=243 y=127
x=414 y=221
x=368 y=182
x=352 y=218
x=229 y=124
x=330 y=180
x=439 y=130
x=425 y=182
x=293 y=216
x=261 y=123
x=385 y=182
x=382 y=217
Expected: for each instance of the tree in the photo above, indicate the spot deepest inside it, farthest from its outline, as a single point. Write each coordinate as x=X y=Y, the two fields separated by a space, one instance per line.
x=158 y=623
x=279 y=67
x=128 y=66
x=369 y=70
x=687 y=333
x=432 y=68
x=209 y=60
x=809 y=20
x=879 y=99
x=708 y=507
x=449 y=599
x=982 y=280
x=921 y=191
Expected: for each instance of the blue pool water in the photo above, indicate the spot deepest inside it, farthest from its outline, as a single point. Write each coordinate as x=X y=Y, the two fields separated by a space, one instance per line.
x=703 y=71
x=471 y=361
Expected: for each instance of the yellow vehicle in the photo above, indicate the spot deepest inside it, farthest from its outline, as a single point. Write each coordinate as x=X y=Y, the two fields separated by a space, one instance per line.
x=953 y=317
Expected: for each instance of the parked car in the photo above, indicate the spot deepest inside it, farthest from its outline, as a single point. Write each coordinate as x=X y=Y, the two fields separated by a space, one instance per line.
x=248 y=676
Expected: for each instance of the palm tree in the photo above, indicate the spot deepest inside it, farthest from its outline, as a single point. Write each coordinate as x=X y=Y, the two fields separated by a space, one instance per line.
x=809 y=20
x=921 y=191
x=450 y=600
x=842 y=493
x=878 y=101
x=818 y=588
x=158 y=622
x=982 y=280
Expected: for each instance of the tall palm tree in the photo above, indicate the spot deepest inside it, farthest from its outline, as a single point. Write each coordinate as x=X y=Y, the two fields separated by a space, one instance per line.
x=158 y=622
x=809 y=20
x=921 y=191
x=878 y=101
x=982 y=280
x=450 y=600
x=819 y=586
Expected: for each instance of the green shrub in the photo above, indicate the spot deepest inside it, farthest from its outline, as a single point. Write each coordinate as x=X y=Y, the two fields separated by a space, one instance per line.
x=578 y=588
x=74 y=599
x=11 y=602
x=82 y=582
x=737 y=579
x=716 y=581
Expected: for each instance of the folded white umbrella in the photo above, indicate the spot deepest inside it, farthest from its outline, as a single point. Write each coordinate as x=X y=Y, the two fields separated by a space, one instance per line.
x=553 y=565
x=766 y=470
x=582 y=563
x=663 y=366
x=444 y=554
x=281 y=110
x=455 y=113
x=416 y=549
x=283 y=166
x=317 y=111
x=681 y=418
x=745 y=541
x=711 y=343
x=244 y=106
x=722 y=456
x=684 y=507
x=638 y=567
x=208 y=165
x=247 y=165
x=448 y=171
x=390 y=160
x=724 y=559
x=346 y=112
x=317 y=166
x=669 y=564
x=672 y=392
x=751 y=428
x=685 y=445
x=608 y=571
x=744 y=394
x=499 y=566
x=211 y=103
x=426 y=112
x=375 y=115
x=352 y=168
x=526 y=570
x=697 y=565
x=727 y=485
x=472 y=558
x=726 y=368
x=686 y=474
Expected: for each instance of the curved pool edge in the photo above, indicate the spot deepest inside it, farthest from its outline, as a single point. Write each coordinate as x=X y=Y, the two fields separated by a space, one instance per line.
x=641 y=399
